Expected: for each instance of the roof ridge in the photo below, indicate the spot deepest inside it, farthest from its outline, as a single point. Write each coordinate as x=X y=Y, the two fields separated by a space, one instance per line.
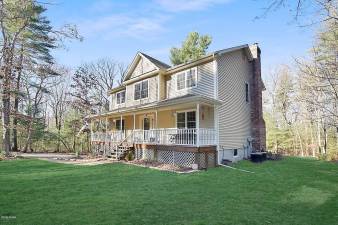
x=156 y=61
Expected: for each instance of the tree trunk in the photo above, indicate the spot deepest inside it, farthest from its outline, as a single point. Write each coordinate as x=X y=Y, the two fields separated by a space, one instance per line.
x=28 y=144
x=59 y=135
x=312 y=141
x=15 y=124
x=300 y=142
x=325 y=140
x=6 y=137
x=74 y=142
x=319 y=138
x=6 y=103
x=16 y=103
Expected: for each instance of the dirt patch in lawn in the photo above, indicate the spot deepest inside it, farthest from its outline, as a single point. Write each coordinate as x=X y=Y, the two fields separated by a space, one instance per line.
x=83 y=160
x=12 y=156
x=88 y=160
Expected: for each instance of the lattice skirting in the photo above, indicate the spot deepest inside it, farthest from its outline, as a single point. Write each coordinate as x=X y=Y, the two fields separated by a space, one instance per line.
x=100 y=148
x=97 y=148
x=185 y=159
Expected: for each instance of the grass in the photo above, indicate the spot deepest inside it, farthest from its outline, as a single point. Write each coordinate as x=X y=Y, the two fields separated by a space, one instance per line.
x=291 y=191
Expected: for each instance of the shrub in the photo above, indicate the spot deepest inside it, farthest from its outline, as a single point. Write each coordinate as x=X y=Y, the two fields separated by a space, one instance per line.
x=129 y=156
x=331 y=156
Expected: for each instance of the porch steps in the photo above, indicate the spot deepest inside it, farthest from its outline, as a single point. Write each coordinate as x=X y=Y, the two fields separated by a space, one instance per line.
x=119 y=151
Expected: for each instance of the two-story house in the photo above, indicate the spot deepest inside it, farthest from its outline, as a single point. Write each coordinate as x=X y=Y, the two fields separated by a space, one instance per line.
x=200 y=112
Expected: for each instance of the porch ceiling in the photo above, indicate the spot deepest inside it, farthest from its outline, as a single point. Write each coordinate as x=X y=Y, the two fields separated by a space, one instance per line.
x=181 y=102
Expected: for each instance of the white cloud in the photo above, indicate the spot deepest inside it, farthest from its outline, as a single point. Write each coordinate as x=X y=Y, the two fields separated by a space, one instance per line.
x=148 y=23
x=188 y=5
x=122 y=25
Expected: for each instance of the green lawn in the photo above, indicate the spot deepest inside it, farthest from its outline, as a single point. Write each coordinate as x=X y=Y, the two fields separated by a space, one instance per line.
x=291 y=191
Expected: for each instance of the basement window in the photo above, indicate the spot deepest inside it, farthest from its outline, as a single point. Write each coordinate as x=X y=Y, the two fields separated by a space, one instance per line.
x=235 y=152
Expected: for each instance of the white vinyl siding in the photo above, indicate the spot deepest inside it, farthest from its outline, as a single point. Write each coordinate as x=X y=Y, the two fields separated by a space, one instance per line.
x=234 y=114
x=204 y=83
x=143 y=66
x=149 y=94
x=207 y=116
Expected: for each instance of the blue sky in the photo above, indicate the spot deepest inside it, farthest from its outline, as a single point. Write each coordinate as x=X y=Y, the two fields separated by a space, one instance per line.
x=118 y=29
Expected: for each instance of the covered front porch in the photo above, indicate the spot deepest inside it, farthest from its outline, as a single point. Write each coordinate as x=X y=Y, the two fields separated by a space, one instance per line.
x=178 y=131
x=190 y=124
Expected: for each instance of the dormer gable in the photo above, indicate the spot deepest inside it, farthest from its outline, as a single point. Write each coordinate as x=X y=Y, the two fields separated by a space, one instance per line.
x=143 y=64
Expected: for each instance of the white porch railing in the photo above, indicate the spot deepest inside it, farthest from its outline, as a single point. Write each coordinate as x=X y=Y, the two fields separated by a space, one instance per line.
x=166 y=136
x=111 y=136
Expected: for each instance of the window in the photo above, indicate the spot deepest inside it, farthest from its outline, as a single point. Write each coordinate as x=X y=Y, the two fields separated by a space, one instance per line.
x=191 y=119
x=118 y=125
x=141 y=90
x=120 y=97
x=247 y=92
x=186 y=120
x=235 y=152
x=186 y=79
x=180 y=81
x=191 y=78
x=181 y=120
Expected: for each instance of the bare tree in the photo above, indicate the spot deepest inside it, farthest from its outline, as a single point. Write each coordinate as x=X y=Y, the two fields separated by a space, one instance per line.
x=59 y=101
x=38 y=82
x=91 y=83
x=315 y=11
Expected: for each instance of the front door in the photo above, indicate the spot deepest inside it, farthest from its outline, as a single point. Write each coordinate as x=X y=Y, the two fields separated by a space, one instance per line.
x=146 y=123
x=146 y=128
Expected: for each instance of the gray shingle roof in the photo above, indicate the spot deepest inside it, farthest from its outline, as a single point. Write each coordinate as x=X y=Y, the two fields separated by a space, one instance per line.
x=157 y=63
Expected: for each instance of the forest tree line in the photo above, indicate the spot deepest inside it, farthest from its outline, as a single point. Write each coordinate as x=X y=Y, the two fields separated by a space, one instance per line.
x=43 y=102
x=301 y=100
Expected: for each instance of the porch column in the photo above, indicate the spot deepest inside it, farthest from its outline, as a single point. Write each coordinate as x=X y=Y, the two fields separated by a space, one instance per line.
x=121 y=122
x=91 y=129
x=121 y=136
x=105 y=137
x=156 y=120
x=198 y=125
x=106 y=126
x=134 y=121
x=134 y=127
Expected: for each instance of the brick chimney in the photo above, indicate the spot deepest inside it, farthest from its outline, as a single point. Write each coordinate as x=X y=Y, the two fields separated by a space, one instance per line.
x=257 y=86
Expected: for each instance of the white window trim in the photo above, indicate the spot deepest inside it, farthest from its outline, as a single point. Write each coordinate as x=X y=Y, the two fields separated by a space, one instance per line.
x=185 y=79
x=124 y=97
x=141 y=90
x=186 y=120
